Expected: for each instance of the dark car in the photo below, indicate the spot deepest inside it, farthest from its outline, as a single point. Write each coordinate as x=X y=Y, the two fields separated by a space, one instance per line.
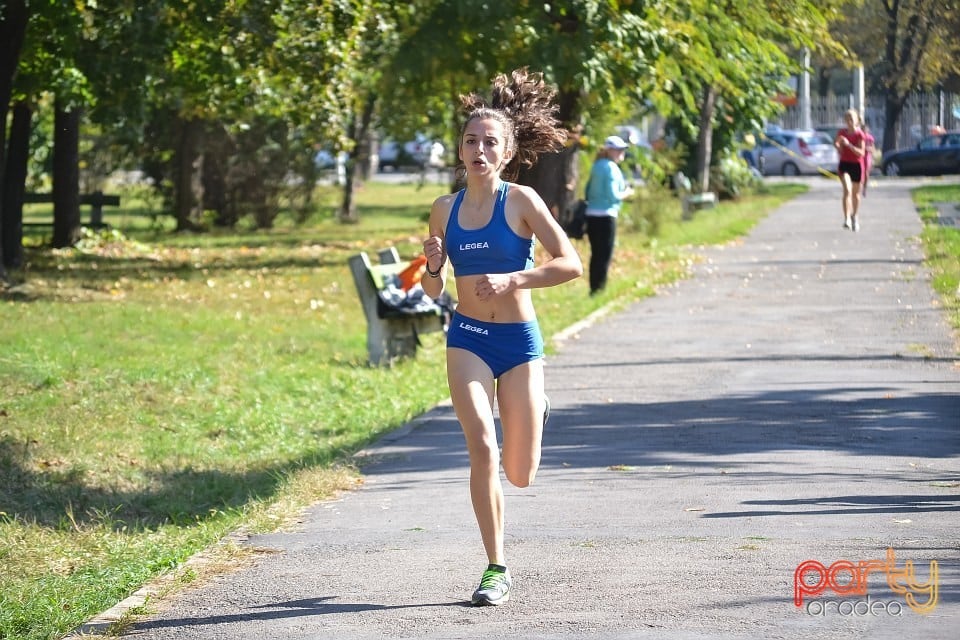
x=933 y=156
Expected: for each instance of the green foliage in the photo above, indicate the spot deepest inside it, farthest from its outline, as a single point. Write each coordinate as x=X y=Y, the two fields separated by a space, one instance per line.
x=735 y=46
x=309 y=69
x=646 y=212
x=52 y=47
x=733 y=178
x=738 y=53
x=592 y=51
x=664 y=162
x=942 y=244
x=903 y=45
x=312 y=59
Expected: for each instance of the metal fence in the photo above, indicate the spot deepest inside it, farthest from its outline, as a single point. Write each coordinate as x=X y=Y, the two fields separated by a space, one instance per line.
x=922 y=112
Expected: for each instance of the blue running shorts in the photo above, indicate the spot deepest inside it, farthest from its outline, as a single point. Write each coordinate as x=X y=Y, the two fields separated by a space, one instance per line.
x=501 y=345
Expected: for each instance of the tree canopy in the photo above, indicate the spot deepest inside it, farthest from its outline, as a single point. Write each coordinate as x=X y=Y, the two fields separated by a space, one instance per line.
x=904 y=46
x=248 y=91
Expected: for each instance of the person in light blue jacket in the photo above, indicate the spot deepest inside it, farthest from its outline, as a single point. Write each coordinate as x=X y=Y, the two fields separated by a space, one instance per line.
x=606 y=191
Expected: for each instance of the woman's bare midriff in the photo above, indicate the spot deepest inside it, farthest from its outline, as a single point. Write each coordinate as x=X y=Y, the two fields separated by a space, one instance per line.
x=515 y=306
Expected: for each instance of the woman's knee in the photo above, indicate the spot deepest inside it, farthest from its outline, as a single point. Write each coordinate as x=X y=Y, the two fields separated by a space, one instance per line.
x=484 y=455
x=520 y=475
x=521 y=467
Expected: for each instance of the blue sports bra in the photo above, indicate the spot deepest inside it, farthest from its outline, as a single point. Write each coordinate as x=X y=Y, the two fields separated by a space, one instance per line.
x=494 y=248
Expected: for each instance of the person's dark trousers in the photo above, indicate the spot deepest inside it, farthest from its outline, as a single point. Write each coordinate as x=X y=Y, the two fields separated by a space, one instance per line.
x=602 y=232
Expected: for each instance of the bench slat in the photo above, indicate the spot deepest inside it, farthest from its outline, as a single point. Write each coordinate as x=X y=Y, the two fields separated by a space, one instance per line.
x=92 y=199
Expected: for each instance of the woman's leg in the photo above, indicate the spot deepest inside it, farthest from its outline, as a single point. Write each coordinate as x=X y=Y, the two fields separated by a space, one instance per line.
x=602 y=233
x=855 y=205
x=471 y=391
x=521 y=399
x=846 y=184
x=854 y=199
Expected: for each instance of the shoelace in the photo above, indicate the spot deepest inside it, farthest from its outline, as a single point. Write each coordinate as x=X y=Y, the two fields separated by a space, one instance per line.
x=492 y=579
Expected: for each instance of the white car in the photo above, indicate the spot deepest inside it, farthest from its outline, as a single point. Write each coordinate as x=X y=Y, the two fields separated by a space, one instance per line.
x=794 y=152
x=421 y=152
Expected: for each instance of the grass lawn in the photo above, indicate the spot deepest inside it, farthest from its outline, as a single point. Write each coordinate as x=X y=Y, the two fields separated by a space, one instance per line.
x=942 y=243
x=161 y=391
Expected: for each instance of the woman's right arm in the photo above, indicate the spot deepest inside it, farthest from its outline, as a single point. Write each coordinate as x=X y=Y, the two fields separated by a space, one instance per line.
x=435 y=249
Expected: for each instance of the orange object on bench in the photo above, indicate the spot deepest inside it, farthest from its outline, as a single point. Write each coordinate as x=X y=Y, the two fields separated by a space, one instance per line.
x=413 y=273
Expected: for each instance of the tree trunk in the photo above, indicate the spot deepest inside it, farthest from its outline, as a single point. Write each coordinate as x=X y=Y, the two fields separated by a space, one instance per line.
x=218 y=149
x=361 y=150
x=214 y=181
x=348 y=207
x=892 y=109
x=904 y=52
x=705 y=139
x=66 y=177
x=186 y=174
x=14 y=184
x=14 y=16
x=359 y=133
x=824 y=76
x=555 y=176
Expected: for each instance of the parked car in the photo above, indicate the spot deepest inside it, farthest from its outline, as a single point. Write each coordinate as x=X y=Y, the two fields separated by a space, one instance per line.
x=639 y=148
x=420 y=152
x=326 y=160
x=830 y=129
x=632 y=134
x=794 y=152
x=333 y=164
x=933 y=156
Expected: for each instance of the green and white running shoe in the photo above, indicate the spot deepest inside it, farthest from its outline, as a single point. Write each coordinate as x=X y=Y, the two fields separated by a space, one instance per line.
x=494 y=587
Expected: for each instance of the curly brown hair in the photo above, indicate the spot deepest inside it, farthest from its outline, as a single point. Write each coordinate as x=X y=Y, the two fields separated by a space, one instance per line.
x=523 y=103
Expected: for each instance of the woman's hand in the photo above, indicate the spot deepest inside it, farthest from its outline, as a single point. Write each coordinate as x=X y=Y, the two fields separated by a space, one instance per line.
x=493 y=284
x=433 y=251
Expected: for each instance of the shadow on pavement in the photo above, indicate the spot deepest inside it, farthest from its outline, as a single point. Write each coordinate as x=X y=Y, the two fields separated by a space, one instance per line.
x=290 y=609
x=697 y=432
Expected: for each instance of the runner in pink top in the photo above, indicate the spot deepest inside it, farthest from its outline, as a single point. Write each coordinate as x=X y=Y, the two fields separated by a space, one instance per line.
x=852 y=144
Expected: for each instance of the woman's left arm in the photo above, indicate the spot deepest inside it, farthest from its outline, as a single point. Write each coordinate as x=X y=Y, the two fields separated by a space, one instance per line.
x=564 y=263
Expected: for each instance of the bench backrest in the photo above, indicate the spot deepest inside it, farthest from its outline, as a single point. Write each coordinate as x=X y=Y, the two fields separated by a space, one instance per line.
x=381 y=274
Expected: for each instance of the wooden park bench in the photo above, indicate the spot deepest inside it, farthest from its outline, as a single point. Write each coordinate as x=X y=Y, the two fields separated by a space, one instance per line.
x=692 y=202
x=392 y=330
x=96 y=201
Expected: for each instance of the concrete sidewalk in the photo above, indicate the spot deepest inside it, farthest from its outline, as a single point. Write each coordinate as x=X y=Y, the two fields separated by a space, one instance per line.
x=797 y=399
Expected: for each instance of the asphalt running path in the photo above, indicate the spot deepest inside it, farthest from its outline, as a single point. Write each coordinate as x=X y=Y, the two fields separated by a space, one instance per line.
x=797 y=399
